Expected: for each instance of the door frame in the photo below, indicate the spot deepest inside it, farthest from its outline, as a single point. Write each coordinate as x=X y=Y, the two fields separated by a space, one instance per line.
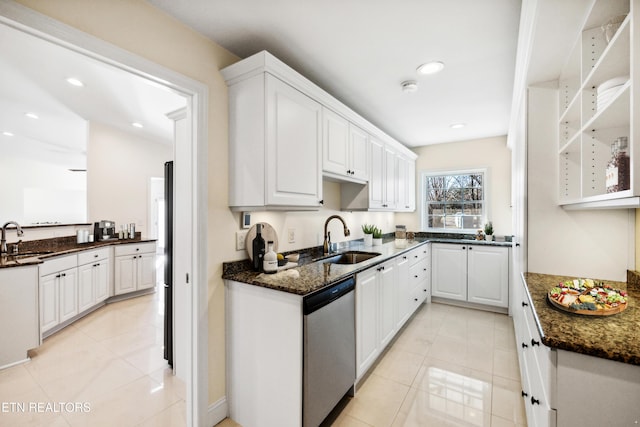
x=34 y=23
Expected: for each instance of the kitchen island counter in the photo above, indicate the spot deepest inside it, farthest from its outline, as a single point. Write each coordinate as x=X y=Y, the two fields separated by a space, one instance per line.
x=615 y=337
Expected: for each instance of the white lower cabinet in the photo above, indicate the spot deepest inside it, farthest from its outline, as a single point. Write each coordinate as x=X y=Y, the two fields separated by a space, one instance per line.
x=58 y=284
x=134 y=267
x=376 y=324
x=471 y=273
x=93 y=278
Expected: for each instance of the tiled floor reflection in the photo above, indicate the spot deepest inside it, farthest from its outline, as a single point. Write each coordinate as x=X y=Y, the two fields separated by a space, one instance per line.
x=111 y=362
x=450 y=366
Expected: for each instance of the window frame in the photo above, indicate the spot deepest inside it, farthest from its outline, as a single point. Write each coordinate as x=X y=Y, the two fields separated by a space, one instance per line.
x=424 y=214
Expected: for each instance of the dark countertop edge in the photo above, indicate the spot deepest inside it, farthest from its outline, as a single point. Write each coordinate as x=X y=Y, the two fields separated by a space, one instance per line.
x=581 y=348
x=39 y=259
x=232 y=270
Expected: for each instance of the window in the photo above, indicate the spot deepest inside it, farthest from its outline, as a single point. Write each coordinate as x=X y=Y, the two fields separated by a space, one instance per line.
x=454 y=200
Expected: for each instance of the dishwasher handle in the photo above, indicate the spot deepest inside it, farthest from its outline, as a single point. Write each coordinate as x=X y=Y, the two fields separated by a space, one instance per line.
x=326 y=296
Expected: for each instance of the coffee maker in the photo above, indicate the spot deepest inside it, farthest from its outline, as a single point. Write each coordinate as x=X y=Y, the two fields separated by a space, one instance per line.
x=104 y=230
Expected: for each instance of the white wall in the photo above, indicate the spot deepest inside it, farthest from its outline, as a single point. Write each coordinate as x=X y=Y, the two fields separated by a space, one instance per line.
x=119 y=166
x=596 y=244
x=490 y=153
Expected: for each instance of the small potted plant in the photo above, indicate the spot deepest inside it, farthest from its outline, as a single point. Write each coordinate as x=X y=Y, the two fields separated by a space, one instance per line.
x=377 y=236
x=368 y=233
x=488 y=231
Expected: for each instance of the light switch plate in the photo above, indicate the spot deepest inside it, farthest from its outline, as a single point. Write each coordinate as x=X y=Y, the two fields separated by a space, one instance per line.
x=292 y=235
x=241 y=237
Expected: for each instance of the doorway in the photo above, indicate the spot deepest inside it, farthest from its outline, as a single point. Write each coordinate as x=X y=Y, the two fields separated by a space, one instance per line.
x=194 y=277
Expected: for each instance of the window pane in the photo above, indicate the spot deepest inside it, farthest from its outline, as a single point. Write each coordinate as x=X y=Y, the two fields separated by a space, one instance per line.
x=454 y=201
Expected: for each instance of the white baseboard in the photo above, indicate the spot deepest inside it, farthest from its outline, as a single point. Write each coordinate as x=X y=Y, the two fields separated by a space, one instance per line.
x=217 y=411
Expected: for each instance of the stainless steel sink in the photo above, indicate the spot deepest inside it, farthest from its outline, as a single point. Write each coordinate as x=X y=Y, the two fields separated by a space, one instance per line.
x=351 y=257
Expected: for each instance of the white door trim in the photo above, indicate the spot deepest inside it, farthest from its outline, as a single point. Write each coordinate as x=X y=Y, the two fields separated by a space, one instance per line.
x=46 y=28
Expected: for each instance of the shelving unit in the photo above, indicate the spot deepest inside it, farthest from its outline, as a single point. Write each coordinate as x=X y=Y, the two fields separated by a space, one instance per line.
x=586 y=127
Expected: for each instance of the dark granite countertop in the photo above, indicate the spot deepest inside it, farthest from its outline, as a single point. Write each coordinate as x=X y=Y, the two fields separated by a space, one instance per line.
x=615 y=337
x=43 y=249
x=313 y=274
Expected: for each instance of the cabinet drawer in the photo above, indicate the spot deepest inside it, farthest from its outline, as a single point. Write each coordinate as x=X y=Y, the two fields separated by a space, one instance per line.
x=134 y=248
x=87 y=257
x=58 y=264
x=419 y=254
x=419 y=271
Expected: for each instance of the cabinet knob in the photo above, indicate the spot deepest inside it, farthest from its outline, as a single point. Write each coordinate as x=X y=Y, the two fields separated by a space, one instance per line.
x=415 y=299
x=470 y=247
x=321 y=202
x=464 y=247
x=425 y=290
x=524 y=345
x=405 y=257
x=137 y=249
x=534 y=401
x=64 y=274
x=524 y=304
x=416 y=276
x=524 y=394
x=95 y=256
x=534 y=343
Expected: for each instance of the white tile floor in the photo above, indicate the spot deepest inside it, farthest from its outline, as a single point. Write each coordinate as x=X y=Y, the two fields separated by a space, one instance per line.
x=449 y=366
x=109 y=363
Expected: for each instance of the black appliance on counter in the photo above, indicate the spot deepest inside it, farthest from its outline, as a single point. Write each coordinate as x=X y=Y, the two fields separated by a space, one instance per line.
x=104 y=230
x=168 y=263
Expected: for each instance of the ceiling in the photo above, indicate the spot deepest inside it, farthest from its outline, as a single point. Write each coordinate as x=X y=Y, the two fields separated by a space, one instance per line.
x=36 y=71
x=361 y=51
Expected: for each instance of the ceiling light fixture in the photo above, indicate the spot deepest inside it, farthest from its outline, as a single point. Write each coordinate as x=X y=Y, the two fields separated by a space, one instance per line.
x=32 y=115
x=75 y=82
x=457 y=125
x=137 y=125
x=7 y=133
x=409 y=86
x=431 y=67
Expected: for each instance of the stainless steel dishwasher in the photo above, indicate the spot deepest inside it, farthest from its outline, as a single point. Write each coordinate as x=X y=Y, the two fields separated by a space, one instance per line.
x=329 y=370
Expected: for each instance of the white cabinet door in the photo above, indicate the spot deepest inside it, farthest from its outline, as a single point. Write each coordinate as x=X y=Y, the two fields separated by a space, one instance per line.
x=449 y=271
x=101 y=281
x=405 y=184
x=68 y=288
x=146 y=271
x=390 y=201
x=388 y=300
x=125 y=272
x=49 y=316
x=86 y=291
x=367 y=342
x=404 y=297
x=359 y=157
x=294 y=158
x=488 y=275
x=377 y=178
x=335 y=153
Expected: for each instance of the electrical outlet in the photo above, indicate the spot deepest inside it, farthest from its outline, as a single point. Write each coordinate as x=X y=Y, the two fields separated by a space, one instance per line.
x=241 y=237
x=292 y=235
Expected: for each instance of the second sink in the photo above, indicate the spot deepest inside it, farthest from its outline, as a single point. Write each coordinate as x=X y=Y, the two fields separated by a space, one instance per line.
x=351 y=257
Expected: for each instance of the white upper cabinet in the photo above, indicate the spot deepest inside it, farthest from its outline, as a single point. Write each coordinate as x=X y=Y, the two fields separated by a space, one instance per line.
x=597 y=101
x=274 y=151
x=405 y=184
x=286 y=133
x=345 y=154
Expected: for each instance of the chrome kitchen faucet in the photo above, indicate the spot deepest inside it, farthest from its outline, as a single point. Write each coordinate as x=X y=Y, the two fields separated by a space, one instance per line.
x=3 y=239
x=327 y=235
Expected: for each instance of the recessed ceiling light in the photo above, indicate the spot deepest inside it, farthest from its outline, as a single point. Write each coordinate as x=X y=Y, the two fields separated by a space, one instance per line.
x=7 y=133
x=431 y=67
x=409 y=86
x=75 y=82
x=137 y=125
x=457 y=125
x=32 y=115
